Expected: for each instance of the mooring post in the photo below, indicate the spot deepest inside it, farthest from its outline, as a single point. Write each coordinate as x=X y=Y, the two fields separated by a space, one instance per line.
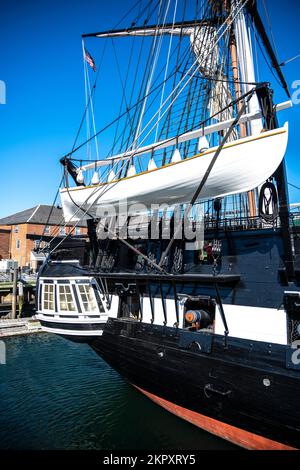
x=21 y=298
x=14 y=293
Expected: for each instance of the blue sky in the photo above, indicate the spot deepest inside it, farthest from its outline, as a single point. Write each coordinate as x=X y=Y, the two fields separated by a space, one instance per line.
x=41 y=64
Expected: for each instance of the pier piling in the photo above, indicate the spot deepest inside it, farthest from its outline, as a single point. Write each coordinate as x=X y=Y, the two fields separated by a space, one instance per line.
x=14 y=293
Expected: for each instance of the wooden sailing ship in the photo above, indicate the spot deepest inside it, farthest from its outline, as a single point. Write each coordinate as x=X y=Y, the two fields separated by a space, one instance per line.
x=206 y=327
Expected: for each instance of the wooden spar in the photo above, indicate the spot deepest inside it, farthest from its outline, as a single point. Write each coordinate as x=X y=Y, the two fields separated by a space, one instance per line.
x=184 y=27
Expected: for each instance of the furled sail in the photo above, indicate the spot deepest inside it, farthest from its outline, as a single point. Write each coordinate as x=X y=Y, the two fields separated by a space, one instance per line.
x=206 y=48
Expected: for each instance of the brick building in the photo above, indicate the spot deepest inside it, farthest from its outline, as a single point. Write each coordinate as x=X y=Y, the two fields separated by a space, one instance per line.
x=20 y=233
x=4 y=243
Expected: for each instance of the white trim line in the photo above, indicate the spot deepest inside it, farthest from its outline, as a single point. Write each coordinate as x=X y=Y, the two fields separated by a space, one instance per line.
x=66 y=261
x=73 y=332
x=65 y=278
x=57 y=319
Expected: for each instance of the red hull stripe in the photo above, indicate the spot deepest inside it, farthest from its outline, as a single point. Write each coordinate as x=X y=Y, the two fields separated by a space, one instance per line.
x=225 y=431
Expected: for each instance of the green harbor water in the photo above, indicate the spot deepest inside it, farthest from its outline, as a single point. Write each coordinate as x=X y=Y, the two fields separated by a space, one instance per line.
x=55 y=394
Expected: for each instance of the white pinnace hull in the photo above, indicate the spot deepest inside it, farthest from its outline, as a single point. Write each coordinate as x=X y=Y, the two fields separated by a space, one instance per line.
x=241 y=166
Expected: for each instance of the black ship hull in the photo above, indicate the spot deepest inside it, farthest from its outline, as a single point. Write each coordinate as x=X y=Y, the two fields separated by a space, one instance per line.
x=243 y=390
x=240 y=391
x=198 y=309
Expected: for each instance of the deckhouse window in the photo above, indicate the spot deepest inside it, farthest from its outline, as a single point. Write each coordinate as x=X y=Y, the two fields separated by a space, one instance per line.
x=66 y=302
x=48 y=299
x=88 y=298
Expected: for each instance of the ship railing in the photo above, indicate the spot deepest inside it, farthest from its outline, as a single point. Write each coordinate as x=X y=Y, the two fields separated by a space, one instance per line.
x=249 y=223
x=240 y=223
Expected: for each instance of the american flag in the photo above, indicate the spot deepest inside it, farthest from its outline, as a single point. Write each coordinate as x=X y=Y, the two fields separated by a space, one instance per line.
x=89 y=59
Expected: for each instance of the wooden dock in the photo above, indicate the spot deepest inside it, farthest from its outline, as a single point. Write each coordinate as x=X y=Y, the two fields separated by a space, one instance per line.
x=6 y=288
x=23 y=303
x=17 y=327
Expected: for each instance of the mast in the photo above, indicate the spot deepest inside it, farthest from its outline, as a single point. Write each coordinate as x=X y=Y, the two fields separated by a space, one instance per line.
x=221 y=42
x=238 y=93
x=243 y=129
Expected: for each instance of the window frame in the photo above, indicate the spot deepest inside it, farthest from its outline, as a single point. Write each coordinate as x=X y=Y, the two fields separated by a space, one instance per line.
x=66 y=312
x=75 y=297
x=81 y=302
x=43 y=297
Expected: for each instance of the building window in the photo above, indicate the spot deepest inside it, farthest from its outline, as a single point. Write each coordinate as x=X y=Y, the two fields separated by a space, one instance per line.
x=66 y=302
x=18 y=244
x=47 y=230
x=77 y=231
x=62 y=231
x=16 y=229
x=36 y=244
x=48 y=298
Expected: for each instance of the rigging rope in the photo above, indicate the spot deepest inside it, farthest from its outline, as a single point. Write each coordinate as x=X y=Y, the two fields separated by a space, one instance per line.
x=57 y=228
x=96 y=189
x=157 y=48
x=228 y=25
x=185 y=84
x=270 y=27
x=289 y=60
x=196 y=195
x=167 y=67
x=294 y=186
x=50 y=213
x=208 y=171
x=99 y=67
